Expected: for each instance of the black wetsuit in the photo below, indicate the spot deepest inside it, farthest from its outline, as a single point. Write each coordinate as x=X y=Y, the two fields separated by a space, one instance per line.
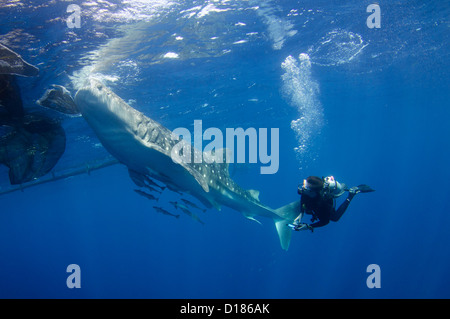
x=323 y=209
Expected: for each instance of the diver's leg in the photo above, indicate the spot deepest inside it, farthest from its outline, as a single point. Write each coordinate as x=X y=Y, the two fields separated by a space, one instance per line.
x=336 y=215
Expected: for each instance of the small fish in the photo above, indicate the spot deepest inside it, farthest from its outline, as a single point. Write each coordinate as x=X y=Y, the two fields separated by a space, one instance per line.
x=192 y=215
x=154 y=189
x=152 y=183
x=178 y=205
x=137 y=178
x=164 y=212
x=174 y=204
x=186 y=210
x=175 y=191
x=149 y=196
x=189 y=203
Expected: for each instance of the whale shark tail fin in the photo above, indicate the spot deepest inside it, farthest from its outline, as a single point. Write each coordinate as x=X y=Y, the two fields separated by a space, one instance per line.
x=286 y=214
x=284 y=233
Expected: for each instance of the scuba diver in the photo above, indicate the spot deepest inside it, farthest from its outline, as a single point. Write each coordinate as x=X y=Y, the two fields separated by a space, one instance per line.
x=319 y=200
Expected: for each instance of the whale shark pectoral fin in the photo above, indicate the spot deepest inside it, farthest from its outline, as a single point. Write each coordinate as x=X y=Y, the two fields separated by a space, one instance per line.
x=215 y=204
x=252 y=218
x=198 y=177
x=187 y=166
x=202 y=182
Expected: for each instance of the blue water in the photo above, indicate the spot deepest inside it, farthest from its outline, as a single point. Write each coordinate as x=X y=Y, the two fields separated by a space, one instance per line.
x=371 y=107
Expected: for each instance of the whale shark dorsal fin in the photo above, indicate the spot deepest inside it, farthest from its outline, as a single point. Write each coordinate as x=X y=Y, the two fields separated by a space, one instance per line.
x=224 y=153
x=219 y=156
x=254 y=193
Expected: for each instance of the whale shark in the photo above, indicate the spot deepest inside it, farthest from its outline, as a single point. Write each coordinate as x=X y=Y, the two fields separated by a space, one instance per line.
x=144 y=146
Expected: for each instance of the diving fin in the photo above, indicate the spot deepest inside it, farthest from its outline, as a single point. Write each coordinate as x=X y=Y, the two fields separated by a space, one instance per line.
x=363 y=188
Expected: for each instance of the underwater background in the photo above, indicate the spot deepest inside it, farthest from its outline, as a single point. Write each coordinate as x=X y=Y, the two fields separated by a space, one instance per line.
x=367 y=105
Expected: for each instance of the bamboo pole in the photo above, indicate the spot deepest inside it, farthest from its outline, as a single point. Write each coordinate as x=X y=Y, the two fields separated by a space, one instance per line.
x=53 y=176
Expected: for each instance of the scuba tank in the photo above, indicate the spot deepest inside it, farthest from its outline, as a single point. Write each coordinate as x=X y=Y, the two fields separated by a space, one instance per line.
x=332 y=188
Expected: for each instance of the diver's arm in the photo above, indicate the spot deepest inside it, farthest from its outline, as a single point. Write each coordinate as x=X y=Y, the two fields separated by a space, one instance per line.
x=298 y=220
x=320 y=223
x=302 y=211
